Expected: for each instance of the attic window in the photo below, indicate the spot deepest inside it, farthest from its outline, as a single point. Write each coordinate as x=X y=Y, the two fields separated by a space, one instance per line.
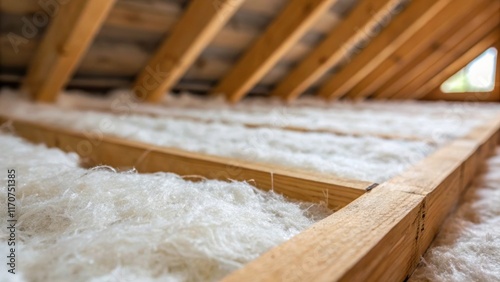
x=477 y=76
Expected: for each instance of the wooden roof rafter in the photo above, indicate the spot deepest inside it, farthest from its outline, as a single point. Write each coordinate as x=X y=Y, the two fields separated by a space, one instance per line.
x=399 y=30
x=444 y=22
x=286 y=30
x=66 y=41
x=472 y=53
x=334 y=48
x=191 y=34
x=439 y=47
x=446 y=56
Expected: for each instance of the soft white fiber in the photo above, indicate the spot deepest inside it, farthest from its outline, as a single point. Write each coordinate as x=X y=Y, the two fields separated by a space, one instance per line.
x=436 y=121
x=76 y=224
x=364 y=158
x=468 y=246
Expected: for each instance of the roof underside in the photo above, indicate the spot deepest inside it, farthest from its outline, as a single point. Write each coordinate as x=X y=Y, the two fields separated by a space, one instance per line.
x=336 y=49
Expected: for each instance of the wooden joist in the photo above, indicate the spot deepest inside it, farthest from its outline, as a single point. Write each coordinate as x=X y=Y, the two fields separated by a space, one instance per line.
x=447 y=20
x=334 y=48
x=286 y=30
x=63 y=46
x=440 y=47
x=399 y=30
x=96 y=149
x=381 y=235
x=447 y=57
x=197 y=27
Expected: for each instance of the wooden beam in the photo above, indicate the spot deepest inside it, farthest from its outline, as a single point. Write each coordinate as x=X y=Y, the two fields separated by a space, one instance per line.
x=281 y=35
x=399 y=30
x=453 y=15
x=197 y=27
x=447 y=57
x=493 y=96
x=381 y=235
x=63 y=46
x=456 y=65
x=337 y=46
x=96 y=149
x=434 y=52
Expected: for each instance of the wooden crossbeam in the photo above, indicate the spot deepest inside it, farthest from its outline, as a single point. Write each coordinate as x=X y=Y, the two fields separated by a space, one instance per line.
x=455 y=13
x=399 y=30
x=286 y=30
x=67 y=39
x=337 y=46
x=434 y=52
x=197 y=27
x=381 y=235
x=446 y=57
x=456 y=65
x=96 y=149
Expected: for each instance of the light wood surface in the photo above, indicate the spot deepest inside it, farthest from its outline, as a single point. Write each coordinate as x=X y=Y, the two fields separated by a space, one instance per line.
x=420 y=64
x=194 y=31
x=67 y=39
x=446 y=21
x=279 y=37
x=336 y=47
x=399 y=30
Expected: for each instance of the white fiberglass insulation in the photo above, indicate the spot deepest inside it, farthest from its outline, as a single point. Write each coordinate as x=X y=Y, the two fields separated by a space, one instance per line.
x=435 y=121
x=363 y=158
x=468 y=246
x=76 y=224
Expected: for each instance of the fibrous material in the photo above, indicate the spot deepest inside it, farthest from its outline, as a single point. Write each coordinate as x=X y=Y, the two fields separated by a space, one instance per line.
x=77 y=224
x=363 y=158
x=436 y=121
x=468 y=246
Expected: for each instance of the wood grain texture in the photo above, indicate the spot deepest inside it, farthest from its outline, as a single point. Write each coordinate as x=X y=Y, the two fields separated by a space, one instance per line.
x=336 y=46
x=447 y=20
x=95 y=149
x=286 y=30
x=437 y=50
x=192 y=33
x=66 y=41
x=457 y=65
x=381 y=235
x=399 y=30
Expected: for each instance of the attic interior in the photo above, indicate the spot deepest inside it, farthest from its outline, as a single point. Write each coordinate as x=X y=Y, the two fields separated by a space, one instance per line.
x=250 y=140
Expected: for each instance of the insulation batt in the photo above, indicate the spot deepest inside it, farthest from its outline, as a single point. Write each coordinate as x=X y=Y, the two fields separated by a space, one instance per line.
x=468 y=246
x=436 y=121
x=363 y=158
x=78 y=224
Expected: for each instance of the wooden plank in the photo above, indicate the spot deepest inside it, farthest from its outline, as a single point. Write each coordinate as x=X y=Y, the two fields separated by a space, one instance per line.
x=64 y=44
x=439 y=48
x=334 y=48
x=286 y=30
x=96 y=149
x=455 y=13
x=381 y=235
x=194 y=31
x=479 y=41
x=399 y=30
x=438 y=79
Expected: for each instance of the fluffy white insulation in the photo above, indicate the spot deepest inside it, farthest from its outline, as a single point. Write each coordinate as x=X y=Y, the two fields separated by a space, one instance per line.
x=76 y=224
x=435 y=121
x=468 y=246
x=364 y=158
